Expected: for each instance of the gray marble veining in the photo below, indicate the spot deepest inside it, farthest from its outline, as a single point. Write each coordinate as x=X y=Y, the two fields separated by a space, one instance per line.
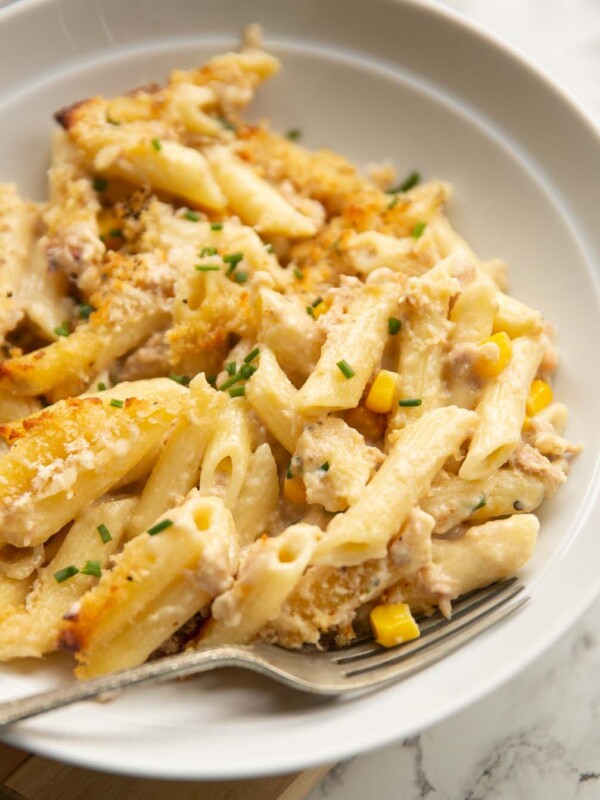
x=538 y=737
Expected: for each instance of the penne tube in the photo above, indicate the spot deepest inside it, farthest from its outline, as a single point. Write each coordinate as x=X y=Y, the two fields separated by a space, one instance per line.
x=416 y=456
x=121 y=622
x=273 y=397
x=33 y=630
x=177 y=468
x=270 y=570
x=501 y=411
x=227 y=454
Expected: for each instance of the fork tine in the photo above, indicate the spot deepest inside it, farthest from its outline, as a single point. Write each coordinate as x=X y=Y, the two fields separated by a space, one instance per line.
x=373 y=678
x=367 y=646
x=381 y=657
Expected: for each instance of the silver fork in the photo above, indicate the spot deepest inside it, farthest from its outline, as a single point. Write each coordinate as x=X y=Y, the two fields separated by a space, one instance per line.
x=363 y=666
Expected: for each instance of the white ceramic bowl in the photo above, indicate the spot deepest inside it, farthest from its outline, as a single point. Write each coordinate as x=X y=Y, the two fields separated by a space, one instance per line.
x=380 y=79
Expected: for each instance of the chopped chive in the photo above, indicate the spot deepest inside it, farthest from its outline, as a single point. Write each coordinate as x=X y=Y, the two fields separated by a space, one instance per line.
x=208 y=251
x=247 y=371
x=62 y=329
x=294 y=134
x=233 y=259
x=207 y=268
x=345 y=369
x=85 y=309
x=112 y=121
x=252 y=355
x=231 y=368
x=479 y=505
x=412 y=402
x=116 y=233
x=230 y=382
x=310 y=311
x=105 y=534
x=101 y=386
x=156 y=144
x=117 y=403
x=393 y=202
x=160 y=526
x=411 y=181
x=227 y=124
x=239 y=391
x=184 y=380
x=100 y=184
x=289 y=474
x=240 y=277
x=92 y=568
x=417 y=231
x=216 y=226
x=298 y=273
x=317 y=302
x=408 y=183
x=211 y=380
x=325 y=467
x=269 y=247
x=394 y=326
x=191 y=215
x=64 y=574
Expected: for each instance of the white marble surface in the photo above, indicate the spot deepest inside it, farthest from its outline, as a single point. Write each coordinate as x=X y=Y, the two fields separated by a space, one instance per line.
x=538 y=737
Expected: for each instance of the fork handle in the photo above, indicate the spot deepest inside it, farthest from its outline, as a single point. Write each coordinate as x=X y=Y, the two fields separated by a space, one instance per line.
x=163 y=669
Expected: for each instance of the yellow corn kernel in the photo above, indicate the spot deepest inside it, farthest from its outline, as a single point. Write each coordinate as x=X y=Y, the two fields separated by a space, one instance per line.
x=294 y=490
x=393 y=624
x=322 y=308
x=381 y=394
x=487 y=367
x=540 y=396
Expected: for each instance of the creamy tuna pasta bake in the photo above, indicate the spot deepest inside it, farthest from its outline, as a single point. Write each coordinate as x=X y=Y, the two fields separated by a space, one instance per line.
x=247 y=394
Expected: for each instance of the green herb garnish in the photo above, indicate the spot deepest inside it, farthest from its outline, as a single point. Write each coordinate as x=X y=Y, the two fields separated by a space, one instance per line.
x=85 y=309
x=239 y=391
x=62 y=329
x=156 y=144
x=394 y=326
x=252 y=355
x=92 y=568
x=100 y=184
x=105 y=534
x=417 y=231
x=64 y=574
x=160 y=526
x=298 y=273
x=191 y=215
x=247 y=371
x=216 y=226
x=345 y=369
x=207 y=268
x=408 y=183
x=184 y=380
x=231 y=368
x=412 y=402
x=479 y=505
x=294 y=134
x=117 y=403
x=325 y=467
x=101 y=386
x=208 y=251
x=240 y=277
